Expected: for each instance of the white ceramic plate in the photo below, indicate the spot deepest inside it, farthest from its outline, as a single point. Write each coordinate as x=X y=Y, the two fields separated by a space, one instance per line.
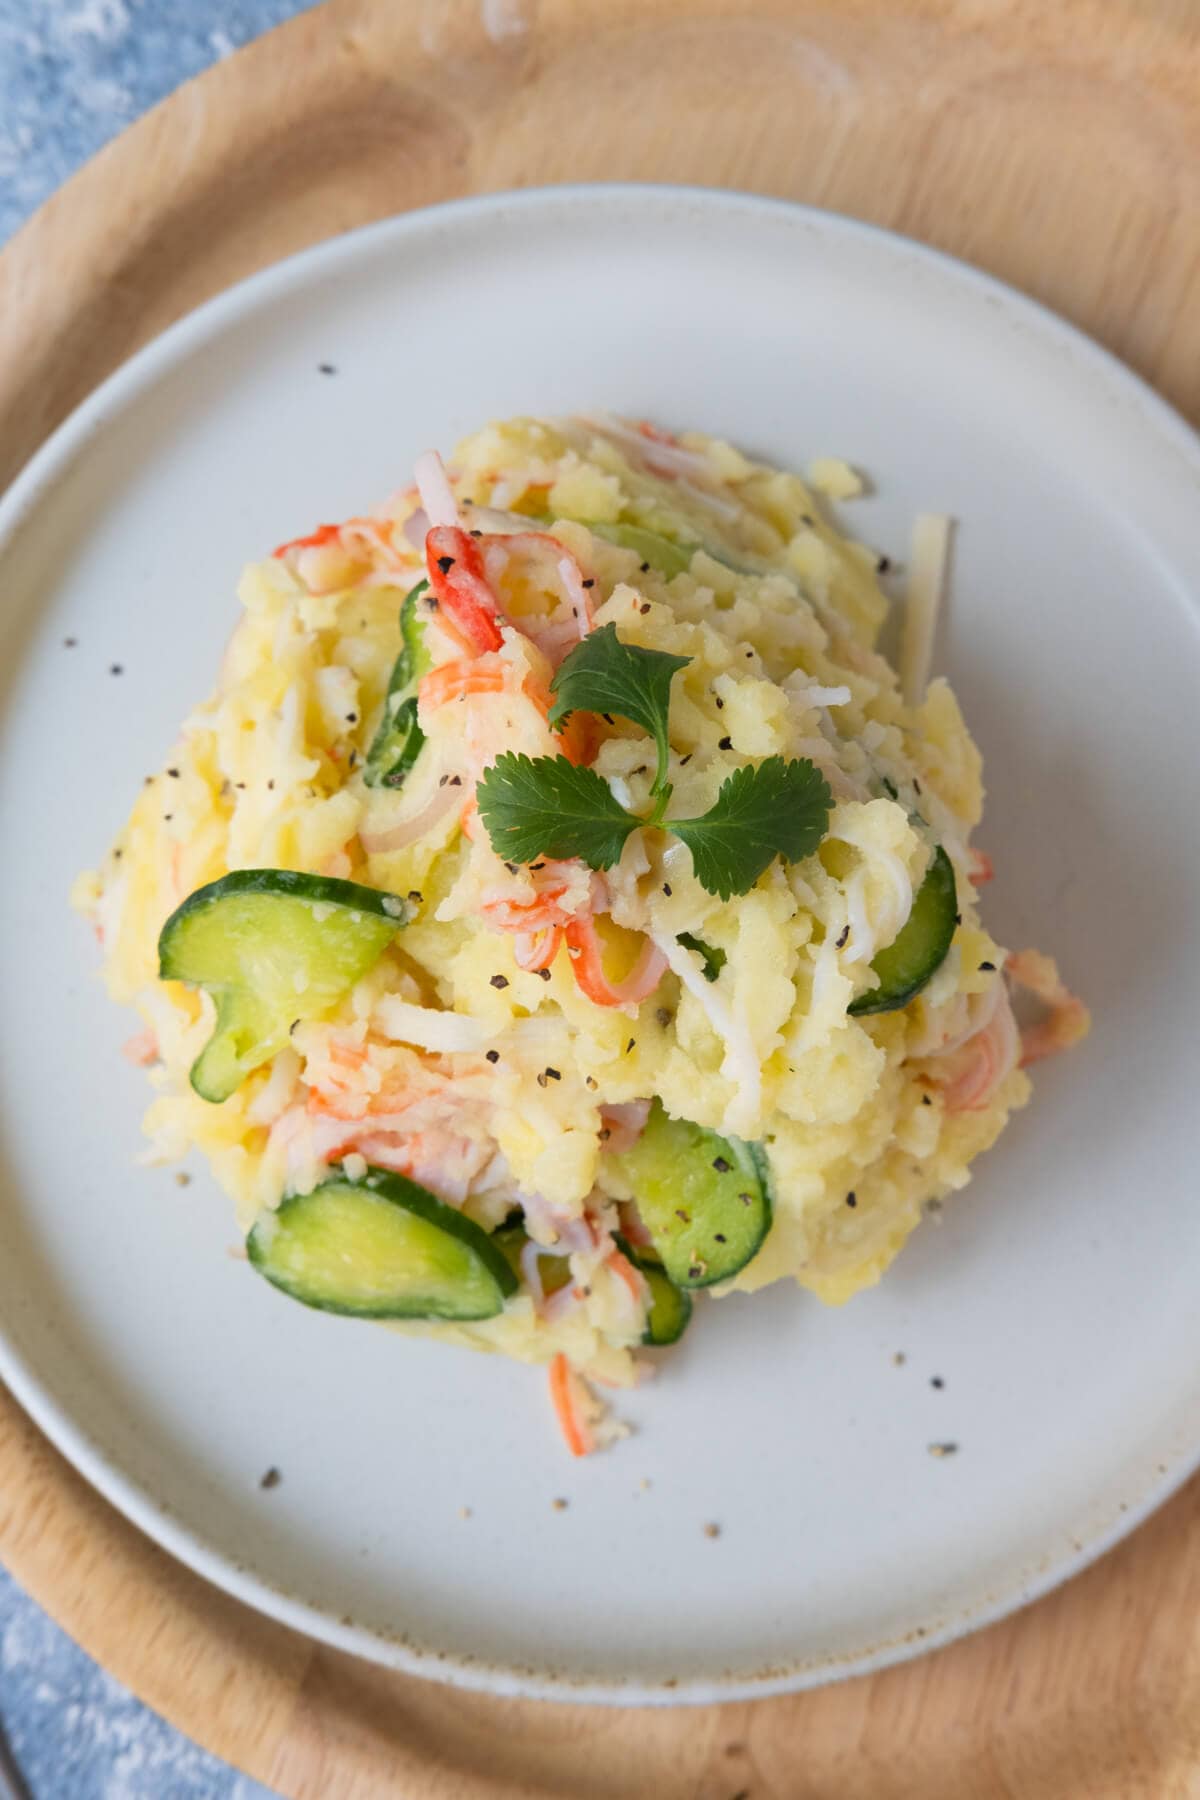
x=1057 y=1302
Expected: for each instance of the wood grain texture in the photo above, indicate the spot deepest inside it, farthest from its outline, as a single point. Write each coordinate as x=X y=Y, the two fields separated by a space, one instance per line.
x=1055 y=145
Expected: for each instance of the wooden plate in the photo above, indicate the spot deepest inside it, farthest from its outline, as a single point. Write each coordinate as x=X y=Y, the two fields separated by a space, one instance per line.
x=1059 y=148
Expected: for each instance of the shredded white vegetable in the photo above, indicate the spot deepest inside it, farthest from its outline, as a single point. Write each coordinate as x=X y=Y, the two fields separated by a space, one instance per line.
x=741 y=1063
x=926 y=585
x=425 y=1026
x=437 y=498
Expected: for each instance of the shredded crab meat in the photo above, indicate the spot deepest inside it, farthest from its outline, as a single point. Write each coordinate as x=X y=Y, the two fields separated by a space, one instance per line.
x=1067 y=1020
x=970 y=1075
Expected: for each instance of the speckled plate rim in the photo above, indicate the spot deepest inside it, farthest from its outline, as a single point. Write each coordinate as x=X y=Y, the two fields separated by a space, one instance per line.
x=35 y=485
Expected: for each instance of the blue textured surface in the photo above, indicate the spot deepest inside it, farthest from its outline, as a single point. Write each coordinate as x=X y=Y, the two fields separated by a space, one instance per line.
x=72 y=74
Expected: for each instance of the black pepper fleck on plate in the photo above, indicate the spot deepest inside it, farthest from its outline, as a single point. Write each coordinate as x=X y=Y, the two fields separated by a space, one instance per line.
x=70 y=643
x=883 y=564
x=936 y=1381
x=327 y=368
x=493 y=1056
x=116 y=668
x=271 y=1478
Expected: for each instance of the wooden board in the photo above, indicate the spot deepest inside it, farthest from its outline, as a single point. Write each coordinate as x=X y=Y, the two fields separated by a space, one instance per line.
x=1057 y=145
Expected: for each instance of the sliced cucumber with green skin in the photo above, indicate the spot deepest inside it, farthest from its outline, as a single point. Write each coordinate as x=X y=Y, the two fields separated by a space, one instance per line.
x=920 y=949
x=661 y=553
x=398 y=739
x=714 y=959
x=380 y=1248
x=704 y=1199
x=271 y=946
x=670 y=1306
x=553 y=1271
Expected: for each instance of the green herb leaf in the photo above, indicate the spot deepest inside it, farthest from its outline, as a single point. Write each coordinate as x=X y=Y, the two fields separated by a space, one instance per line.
x=545 y=806
x=603 y=674
x=713 y=958
x=776 y=809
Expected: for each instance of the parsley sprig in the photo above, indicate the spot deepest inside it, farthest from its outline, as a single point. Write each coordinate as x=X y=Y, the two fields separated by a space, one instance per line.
x=545 y=806
x=603 y=674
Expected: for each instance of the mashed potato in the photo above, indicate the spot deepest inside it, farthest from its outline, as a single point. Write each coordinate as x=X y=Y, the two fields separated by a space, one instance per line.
x=471 y=1056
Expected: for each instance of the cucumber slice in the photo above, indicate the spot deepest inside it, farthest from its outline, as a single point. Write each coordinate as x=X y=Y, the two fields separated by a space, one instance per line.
x=670 y=1307
x=380 y=1248
x=398 y=738
x=271 y=947
x=704 y=1199
x=919 y=951
x=713 y=958
x=667 y=557
x=554 y=1271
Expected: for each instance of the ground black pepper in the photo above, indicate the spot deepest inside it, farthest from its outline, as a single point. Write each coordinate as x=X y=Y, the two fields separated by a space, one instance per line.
x=843 y=938
x=851 y=1199
x=721 y=1166
x=493 y=1056
x=326 y=369
x=445 y=564
x=499 y=981
x=987 y=965
x=725 y=744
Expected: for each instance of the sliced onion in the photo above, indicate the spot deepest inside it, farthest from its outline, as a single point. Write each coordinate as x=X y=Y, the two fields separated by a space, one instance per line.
x=625 y=1123
x=437 y=496
x=536 y=950
x=416 y=528
x=572 y=579
x=663 y=458
x=407 y=831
